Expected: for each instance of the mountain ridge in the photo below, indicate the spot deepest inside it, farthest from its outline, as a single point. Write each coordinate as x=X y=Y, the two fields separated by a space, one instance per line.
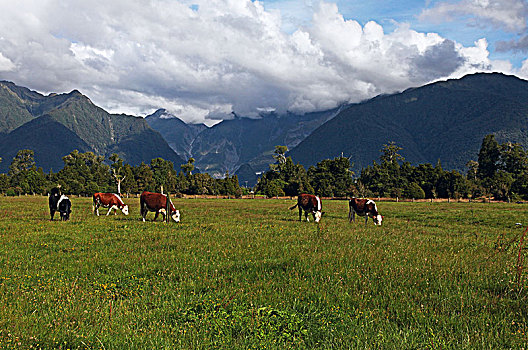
x=54 y=125
x=443 y=121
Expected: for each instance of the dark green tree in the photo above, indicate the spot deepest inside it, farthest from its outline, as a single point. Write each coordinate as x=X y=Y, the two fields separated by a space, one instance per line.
x=22 y=162
x=163 y=174
x=24 y=175
x=488 y=158
x=83 y=173
x=284 y=177
x=513 y=158
x=332 y=177
x=414 y=191
x=389 y=153
x=188 y=167
x=144 y=178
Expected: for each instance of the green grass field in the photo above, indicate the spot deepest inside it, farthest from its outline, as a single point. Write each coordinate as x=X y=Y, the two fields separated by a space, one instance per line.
x=246 y=274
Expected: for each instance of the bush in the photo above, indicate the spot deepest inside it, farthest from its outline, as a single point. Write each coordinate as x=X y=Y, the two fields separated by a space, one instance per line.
x=274 y=188
x=414 y=191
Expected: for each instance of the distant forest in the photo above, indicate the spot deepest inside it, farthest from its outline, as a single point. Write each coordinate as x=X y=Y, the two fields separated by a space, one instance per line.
x=501 y=172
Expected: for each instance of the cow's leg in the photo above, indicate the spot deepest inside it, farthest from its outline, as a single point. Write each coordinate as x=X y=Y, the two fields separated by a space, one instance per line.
x=350 y=210
x=144 y=211
x=306 y=216
x=300 y=213
x=110 y=209
x=52 y=213
x=366 y=219
x=96 y=206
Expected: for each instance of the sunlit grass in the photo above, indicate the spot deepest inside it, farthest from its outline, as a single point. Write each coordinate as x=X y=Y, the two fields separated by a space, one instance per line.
x=246 y=274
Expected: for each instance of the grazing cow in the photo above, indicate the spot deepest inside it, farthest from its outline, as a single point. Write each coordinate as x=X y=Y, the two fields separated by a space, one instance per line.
x=363 y=207
x=157 y=202
x=64 y=208
x=59 y=203
x=108 y=200
x=310 y=204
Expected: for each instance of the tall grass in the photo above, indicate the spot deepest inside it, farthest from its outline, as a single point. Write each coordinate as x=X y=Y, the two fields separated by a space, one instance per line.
x=246 y=274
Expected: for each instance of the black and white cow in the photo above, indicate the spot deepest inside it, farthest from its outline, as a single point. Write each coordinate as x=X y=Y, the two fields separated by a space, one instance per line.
x=60 y=203
x=363 y=207
x=310 y=204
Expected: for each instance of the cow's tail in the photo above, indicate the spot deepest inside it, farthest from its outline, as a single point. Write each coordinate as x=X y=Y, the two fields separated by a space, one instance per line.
x=296 y=204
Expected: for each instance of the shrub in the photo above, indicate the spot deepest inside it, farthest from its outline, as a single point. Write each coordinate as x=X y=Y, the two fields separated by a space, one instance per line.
x=413 y=190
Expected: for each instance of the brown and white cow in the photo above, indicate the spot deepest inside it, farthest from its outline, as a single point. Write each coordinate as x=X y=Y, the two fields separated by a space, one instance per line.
x=157 y=202
x=108 y=200
x=310 y=204
x=363 y=207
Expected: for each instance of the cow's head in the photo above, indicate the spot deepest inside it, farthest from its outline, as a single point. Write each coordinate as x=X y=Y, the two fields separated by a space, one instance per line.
x=377 y=219
x=125 y=210
x=317 y=215
x=65 y=215
x=176 y=216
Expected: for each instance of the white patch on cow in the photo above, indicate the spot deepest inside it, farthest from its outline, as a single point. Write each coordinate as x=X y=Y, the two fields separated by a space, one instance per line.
x=378 y=219
x=371 y=201
x=319 y=205
x=60 y=200
x=125 y=210
x=318 y=215
x=119 y=198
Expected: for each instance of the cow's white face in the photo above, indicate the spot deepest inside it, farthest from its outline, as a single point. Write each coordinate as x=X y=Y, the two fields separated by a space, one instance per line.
x=176 y=216
x=125 y=210
x=317 y=216
x=378 y=219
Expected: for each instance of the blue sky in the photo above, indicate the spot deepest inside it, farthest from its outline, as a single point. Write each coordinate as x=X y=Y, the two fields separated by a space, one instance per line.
x=203 y=59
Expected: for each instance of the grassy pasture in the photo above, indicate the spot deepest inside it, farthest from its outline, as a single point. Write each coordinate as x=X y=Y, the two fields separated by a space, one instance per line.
x=246 y=274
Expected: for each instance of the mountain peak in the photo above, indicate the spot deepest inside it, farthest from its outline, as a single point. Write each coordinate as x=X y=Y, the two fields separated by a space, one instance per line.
x=75 y=93
x=158 y=113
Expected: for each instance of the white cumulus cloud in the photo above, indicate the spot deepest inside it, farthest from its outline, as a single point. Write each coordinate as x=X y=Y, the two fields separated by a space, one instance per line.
x=203 y=59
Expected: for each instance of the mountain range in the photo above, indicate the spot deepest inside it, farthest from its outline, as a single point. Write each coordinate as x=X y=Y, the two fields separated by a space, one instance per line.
x=443 y=121
x=241 y=145
x=54 y=125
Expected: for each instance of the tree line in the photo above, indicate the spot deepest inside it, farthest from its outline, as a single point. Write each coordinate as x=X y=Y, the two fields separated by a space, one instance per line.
x=86 y=173
x=501 y=171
